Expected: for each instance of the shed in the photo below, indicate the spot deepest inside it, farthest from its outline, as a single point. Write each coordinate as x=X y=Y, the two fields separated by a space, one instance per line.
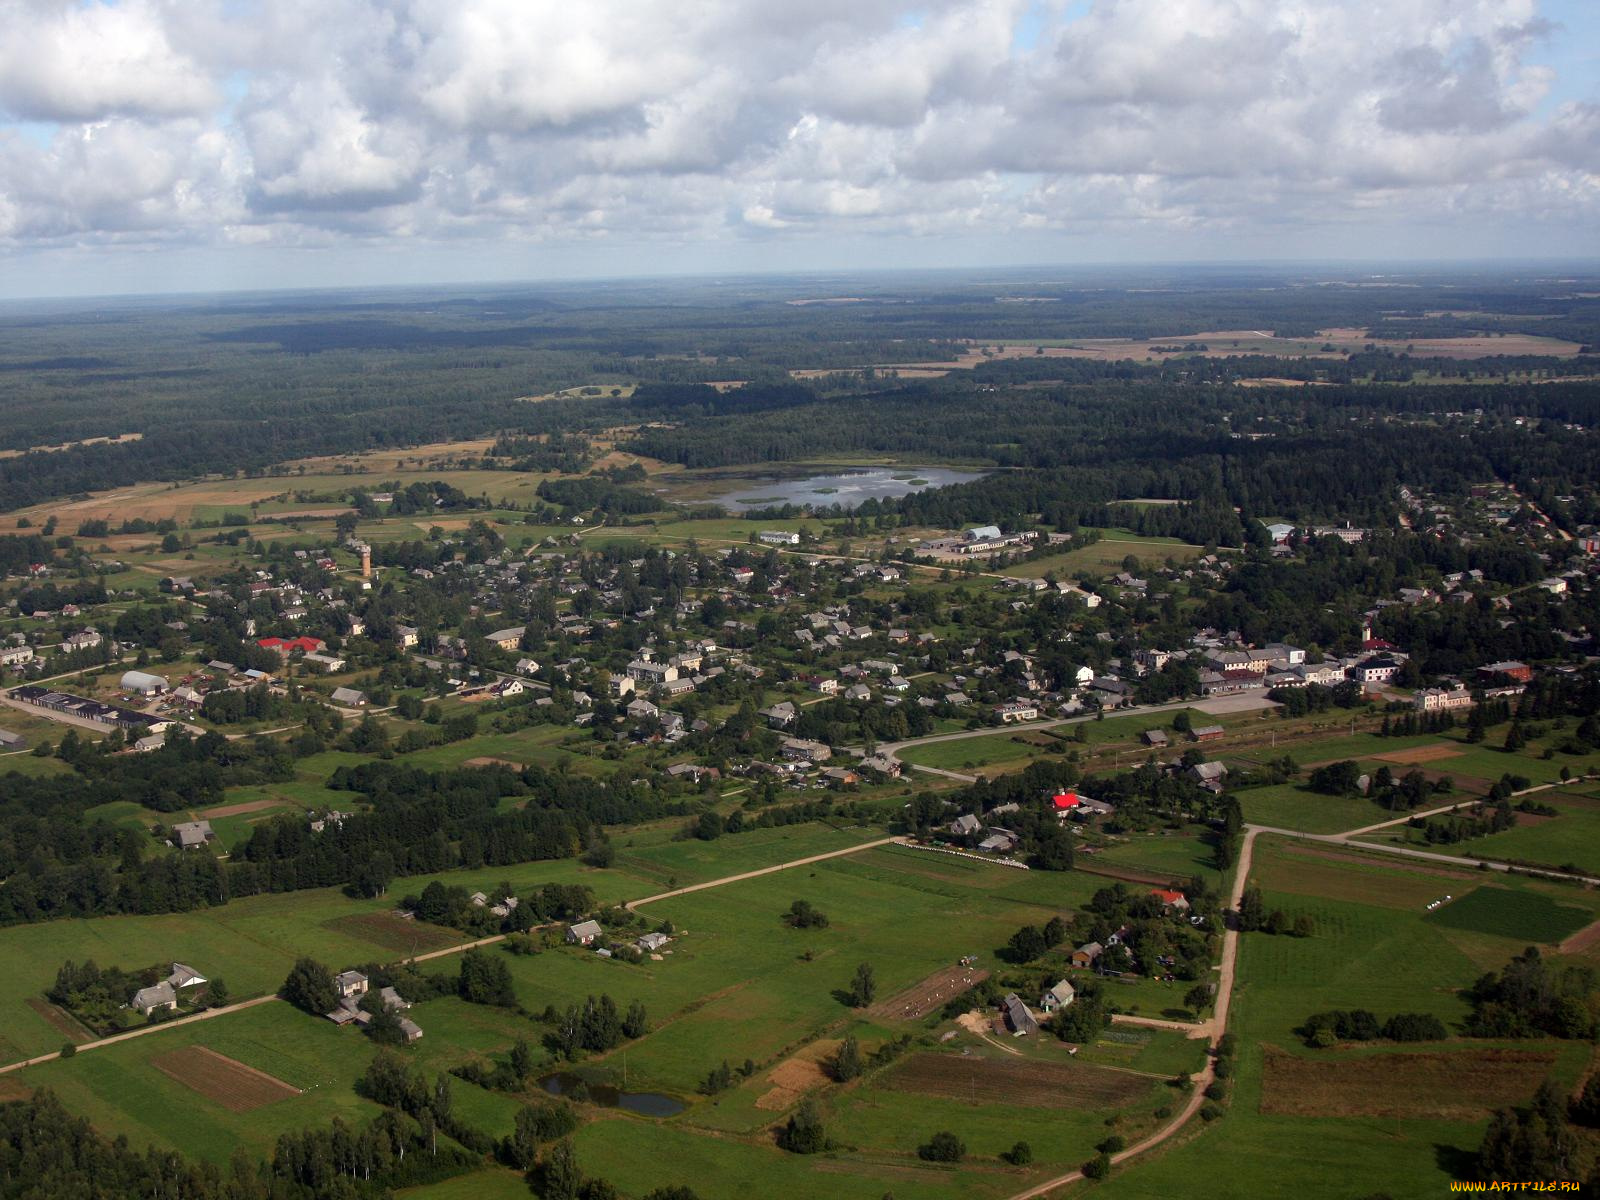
x=349 y=696
x=143 y=683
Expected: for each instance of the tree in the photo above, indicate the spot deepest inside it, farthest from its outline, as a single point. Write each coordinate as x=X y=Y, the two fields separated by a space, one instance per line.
x=636 y=1023
x=384 y=1028
x=1097 y=1167
x=1251 y=909
x=486 y=979
x=803 y=915
x=846 y=1063
x=1531 y=1143
x=943 y=1146
x=309 y=987
x=559 y=1177
x=1026 y=944
x=864 y=987
x=1020 y=1155
x=804 y=1132
x=1197 y=997
x=1585 y=1110
x=521 y=1059
x=217 y=994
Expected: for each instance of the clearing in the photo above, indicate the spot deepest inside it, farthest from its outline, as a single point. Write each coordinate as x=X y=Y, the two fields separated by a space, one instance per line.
x=394 y=932
x=794 y=1077
x=217 y=1077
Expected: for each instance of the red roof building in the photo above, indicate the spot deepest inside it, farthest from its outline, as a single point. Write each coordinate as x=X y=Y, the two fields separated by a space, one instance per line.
x=1169 y=898
x=1064 y=801
x=287 y=646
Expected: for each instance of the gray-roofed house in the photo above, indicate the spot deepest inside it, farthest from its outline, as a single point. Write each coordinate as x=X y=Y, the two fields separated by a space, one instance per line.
x=584 y=933
x=352 y=697
x=1087 y=954
x=965 y=825
x=158 y=997
x=192 y=835
x=652 y=942
x=350 y=983
x=184 y=976
x=1059 y=996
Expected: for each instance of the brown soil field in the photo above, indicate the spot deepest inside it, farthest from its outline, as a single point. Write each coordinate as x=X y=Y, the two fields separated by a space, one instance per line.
x=1304 y=870
x=246 y=806
x=12 y=1088
x=1421 y=754
x=920 y=999
x=794 y=1077
x=1021 y=1082
x=1586 y=938
x=217 y=1077
x=61 y=1020
x=1127 y=874
x=394 y=933
x=1458 y=1087
x=492 y=762
x=94 y=441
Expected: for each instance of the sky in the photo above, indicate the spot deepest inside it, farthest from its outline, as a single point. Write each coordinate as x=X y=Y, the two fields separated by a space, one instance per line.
x=200 y=145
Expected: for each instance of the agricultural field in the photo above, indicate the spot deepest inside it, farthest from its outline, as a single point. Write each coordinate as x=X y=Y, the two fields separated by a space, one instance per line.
x=1104 y=557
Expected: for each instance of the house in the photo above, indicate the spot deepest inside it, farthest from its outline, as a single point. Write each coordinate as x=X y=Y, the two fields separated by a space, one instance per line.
x=326 y=663
x=1020 y=1021
x=1209 y=775
x=796 y=749
x=1438 y=699
x=999 y=841
x=527 y=666
x=1059 y=996
x=1378 y=669
x=507 y=687
x=1206 y=733
x=11 y=741
x=182 y=976
x=191 y=835
x=283 y=647
x=86 y=639
x=584 y=933
x=15 y=656
x=1087 y=954
x=350 y=984
x=1517 y=672
x=1016 y=710
x=410 y=1028
x=1171 y=899
x=650 y=943
x=781 y=715
x=642 y=710
x=652 y=673
x=507 y=639
x=965 y=825
x=158 y=997
x=153 y=742
x=406 y=635
x=393 y=1000
x=352 y=697
x=778 y=537
x=1156 y=738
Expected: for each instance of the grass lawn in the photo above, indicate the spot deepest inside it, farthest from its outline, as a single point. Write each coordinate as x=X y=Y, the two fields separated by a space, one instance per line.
x=1290 y=806
x=1571 y=838
x=1105 y=556
x=1179 y=854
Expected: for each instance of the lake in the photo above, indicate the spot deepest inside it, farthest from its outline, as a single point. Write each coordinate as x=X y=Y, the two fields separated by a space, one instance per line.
x=646 y=1104
x=847 y=488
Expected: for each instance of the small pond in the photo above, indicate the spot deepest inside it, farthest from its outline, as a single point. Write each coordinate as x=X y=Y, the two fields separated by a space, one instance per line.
x=646 y=1104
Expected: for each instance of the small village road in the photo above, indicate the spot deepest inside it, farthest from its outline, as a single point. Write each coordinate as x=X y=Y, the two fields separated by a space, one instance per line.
x=143 y=1031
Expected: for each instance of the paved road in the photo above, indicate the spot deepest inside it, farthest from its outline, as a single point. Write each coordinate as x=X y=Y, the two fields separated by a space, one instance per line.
x=799 y=862
x=1238 y=704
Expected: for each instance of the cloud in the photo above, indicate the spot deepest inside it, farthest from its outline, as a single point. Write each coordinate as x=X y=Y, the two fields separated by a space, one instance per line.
x=320 y=122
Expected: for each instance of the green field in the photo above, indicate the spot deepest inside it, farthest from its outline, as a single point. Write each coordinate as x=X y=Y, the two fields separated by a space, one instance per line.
x=1524 y=916
x=1105 y=556
x=1289 y=806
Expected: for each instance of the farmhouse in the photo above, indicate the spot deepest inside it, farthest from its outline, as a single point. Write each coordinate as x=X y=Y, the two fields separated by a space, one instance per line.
x=191 y=835
x=1171 y=899
x=583 y=933
x=1059 y=996
x=350 y=983
x=965 y=825
x=650 y=943
x=157 y=997
x=1209 y=775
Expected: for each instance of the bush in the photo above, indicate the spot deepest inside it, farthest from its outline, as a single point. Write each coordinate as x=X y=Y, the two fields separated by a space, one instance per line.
x=943 y=1146
x=68 y=1049
x=1019 y=1155
x=1113 y=1144
x=1210 y=1111
x=804 y=1133
x=1097 y=1167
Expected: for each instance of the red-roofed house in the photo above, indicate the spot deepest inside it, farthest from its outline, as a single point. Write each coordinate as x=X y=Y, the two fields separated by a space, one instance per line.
x=287 y=646
x=1378 y=644
x=1064 y=801
x=1171 y=899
